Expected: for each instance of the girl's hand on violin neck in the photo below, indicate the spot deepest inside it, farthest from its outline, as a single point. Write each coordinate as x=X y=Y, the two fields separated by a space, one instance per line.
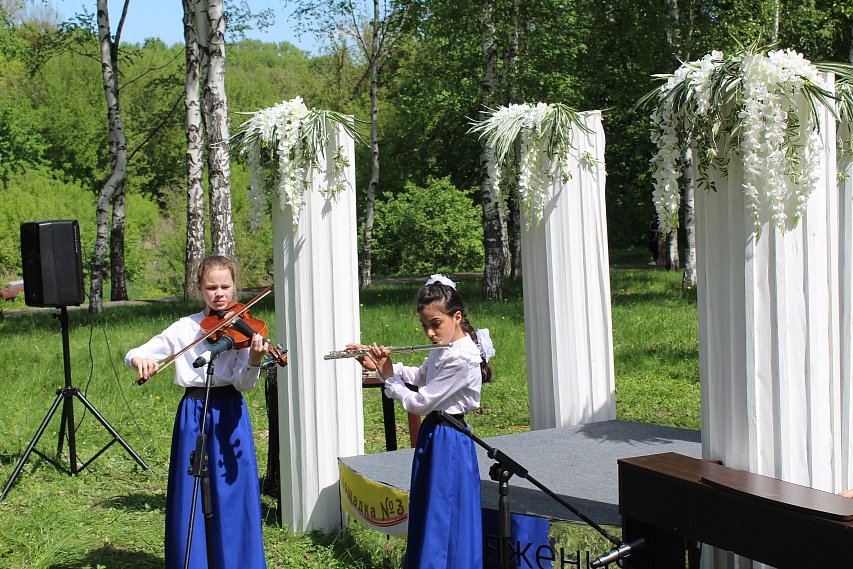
x=257 y=350
x=145 y=367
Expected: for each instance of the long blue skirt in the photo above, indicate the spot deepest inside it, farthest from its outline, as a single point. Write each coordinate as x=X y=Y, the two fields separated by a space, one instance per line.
x=445 y=519
x=235 y=492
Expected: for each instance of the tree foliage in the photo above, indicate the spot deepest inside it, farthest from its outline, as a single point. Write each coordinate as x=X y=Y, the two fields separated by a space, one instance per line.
x=585 y=53
x=430 y=228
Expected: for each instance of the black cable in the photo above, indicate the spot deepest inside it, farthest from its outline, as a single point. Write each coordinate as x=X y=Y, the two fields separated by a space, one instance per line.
x=133 y=418
x=146 y=444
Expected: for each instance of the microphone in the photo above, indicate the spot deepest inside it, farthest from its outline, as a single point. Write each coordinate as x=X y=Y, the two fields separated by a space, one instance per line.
x=223 y=344
x=619 y=552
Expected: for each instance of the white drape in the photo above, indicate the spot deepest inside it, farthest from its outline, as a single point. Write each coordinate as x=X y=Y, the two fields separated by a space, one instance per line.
x=567 y=317
x=845 y=230
x=775 y=400
x=320 y=402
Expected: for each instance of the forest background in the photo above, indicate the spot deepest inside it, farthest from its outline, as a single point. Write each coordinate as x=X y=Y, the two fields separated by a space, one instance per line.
x=589 y=54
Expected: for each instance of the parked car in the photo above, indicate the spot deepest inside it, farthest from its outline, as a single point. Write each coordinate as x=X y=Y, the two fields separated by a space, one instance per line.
x=12 y=289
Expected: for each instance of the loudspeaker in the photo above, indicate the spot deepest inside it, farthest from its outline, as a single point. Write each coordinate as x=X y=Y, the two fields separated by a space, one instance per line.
x=52 y=262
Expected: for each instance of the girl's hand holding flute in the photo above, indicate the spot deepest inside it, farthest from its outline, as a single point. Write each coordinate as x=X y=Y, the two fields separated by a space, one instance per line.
x=375 y=357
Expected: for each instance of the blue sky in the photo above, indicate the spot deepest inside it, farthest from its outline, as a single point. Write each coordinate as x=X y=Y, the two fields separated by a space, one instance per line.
x=162 y=18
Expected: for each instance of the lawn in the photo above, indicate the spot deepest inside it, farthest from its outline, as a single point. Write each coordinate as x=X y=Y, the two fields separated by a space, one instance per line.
x=111 y=515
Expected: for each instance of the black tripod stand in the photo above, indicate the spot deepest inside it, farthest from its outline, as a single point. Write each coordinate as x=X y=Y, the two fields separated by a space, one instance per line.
x=66 y=396
x=504 y=469
x=198 y=469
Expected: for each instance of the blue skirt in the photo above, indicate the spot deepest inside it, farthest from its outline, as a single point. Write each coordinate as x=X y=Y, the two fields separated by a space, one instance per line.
x=445 y=519
x=234 y=488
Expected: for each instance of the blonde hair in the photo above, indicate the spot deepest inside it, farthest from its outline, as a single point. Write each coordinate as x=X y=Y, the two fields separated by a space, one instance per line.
x=212 y=262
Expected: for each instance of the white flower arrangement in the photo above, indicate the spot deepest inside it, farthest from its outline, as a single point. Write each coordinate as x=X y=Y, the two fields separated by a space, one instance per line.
x=533 y=143
x=281 y=145
x=742 y=104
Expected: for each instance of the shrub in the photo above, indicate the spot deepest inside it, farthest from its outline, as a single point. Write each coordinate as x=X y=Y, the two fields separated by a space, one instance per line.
x=39 y=195
x=424 y=230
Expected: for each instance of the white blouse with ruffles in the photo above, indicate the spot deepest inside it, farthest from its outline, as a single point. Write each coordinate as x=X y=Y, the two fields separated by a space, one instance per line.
x=230 y=368
x=449 y=380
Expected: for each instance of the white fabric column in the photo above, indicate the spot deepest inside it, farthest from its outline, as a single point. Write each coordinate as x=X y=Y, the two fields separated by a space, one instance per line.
x=566 y=279
x=320 y=402
x=845 y=230
x=769 y=336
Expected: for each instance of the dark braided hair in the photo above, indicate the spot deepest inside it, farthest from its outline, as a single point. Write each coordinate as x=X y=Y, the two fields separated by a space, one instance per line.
x=447 y=299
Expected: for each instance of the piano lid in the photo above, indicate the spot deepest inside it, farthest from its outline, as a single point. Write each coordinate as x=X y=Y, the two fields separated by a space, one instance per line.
x=795 y=496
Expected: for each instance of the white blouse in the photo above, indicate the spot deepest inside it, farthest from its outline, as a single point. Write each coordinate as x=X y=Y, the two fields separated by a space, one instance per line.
x=449 y=380
x=230 y=368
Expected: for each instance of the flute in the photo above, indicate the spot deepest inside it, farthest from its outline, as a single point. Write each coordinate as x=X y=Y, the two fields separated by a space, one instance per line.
x=392 y=349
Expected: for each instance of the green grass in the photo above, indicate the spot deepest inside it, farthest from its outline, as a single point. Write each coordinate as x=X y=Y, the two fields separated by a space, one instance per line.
x=111 y=515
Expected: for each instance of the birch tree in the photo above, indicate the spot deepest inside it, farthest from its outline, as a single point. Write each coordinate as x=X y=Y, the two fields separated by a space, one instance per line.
x=376 y=34
x=513 y=228
x=117 y=141
x=212 y=42
x=494 y=225
x=673 y=38
x=195 y=152
x=372 y=54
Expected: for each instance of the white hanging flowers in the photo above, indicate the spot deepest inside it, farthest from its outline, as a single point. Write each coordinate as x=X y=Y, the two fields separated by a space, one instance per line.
x=747 y=104
x=282 y=144
x=527 y=140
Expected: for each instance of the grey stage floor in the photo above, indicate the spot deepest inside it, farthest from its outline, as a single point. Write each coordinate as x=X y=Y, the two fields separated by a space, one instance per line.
x=576 y=463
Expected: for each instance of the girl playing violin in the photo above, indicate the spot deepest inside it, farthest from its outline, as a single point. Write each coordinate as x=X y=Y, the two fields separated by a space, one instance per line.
x=445 y=523
x=233 y=471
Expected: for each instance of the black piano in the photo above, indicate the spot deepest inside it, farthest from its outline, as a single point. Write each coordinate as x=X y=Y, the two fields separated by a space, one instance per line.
x=675 y=501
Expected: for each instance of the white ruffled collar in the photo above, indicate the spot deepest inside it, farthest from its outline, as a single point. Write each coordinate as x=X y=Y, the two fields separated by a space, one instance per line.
x=465 y=348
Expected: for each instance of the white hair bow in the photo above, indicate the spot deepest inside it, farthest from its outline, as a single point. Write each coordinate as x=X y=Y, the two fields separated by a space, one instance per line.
x=441 y=279
x=484 y=340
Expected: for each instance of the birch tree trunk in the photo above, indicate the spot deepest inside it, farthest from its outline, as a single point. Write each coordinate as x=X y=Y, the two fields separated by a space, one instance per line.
x=513 y=225
x=673 y=261
x=195 y=154
x=514 y=230
x=118 y=153
x=495 y=257
x=118 y=280
x=674 y=39
x=778 y=8
x=216 y=122
x=367 y=238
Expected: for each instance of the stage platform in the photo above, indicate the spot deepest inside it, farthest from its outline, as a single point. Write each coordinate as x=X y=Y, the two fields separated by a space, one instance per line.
x=576 y=463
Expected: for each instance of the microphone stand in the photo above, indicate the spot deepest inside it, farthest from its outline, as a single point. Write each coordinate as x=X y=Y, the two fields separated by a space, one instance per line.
x=198 y=468
x=504 y=469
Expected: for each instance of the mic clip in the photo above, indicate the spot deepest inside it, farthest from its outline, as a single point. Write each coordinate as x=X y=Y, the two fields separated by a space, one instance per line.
x=223 y=344
x=623 y=550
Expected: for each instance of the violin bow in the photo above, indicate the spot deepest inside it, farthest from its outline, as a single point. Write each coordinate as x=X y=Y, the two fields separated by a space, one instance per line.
x=227 y=320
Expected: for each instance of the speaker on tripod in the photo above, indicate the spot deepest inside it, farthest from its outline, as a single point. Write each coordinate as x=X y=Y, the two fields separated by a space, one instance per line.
x=52 y=263
x=53 y=277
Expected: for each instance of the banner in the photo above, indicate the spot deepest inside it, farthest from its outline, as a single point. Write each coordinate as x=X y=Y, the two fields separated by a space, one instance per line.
x=530 y=544
x=378 y=506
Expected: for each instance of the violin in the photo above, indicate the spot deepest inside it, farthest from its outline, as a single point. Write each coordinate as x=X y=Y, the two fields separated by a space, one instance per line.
x=230 y=322
x=241 y=330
